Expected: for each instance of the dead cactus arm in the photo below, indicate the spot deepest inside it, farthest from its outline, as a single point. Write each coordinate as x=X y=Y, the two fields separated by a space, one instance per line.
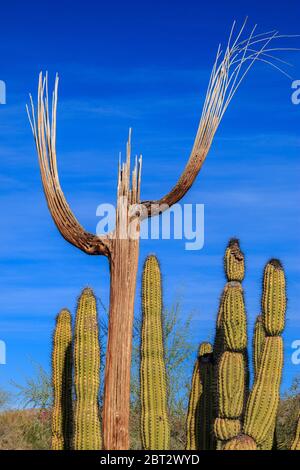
x=44 y=133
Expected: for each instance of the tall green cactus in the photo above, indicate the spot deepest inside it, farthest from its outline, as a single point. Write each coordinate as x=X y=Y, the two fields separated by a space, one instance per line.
x=200 y=408
x=296 y=441
x=87 y=434
x=62 y=382
x=231 y=362
x=155 y=428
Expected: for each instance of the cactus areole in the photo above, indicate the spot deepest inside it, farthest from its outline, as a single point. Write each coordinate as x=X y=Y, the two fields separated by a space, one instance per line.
x=230 y=67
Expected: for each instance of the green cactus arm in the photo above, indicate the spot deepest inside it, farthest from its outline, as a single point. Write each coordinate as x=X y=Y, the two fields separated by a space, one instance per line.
x=155 y=427
x=62 y=382
x=87 y=434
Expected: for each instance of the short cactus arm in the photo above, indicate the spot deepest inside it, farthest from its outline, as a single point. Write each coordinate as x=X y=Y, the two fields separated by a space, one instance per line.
x=296 y=441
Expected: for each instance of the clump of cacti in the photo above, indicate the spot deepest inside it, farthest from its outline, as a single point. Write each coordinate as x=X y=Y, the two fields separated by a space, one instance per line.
x=62 y=382
x=84 y=420
x=155 y=427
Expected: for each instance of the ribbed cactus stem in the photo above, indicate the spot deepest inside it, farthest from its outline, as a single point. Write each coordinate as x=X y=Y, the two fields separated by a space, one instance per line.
x=155 y=428
x=274 y=298
x=296 y=441
x=231 y=385
x=200 y=409
x=234 y=263
x=234 y=318
x=225 y=429
x=62 y=382
x=87 y=374
x=241 y=442
x=264 y=398
x=258 y=343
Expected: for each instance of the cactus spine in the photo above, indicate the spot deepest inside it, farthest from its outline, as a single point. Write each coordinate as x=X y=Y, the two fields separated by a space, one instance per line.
x=155 y=428
x=62 y=382
x=200 y=409
x=87 y=374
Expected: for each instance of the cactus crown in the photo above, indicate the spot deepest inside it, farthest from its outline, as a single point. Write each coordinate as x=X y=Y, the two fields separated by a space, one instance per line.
x=204 y=348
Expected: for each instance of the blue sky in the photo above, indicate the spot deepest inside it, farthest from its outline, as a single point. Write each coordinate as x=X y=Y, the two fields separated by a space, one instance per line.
x=144 y=65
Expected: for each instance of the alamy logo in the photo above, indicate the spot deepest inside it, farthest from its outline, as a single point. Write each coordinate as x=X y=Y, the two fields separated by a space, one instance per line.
x=2 y=92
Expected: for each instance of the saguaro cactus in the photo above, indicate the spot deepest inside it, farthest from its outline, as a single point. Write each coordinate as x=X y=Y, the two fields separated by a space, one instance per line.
x=155 y=427
x=231 y=360
x=87 y=434
x=121 y=247
x=200 y=409
x=62 y=382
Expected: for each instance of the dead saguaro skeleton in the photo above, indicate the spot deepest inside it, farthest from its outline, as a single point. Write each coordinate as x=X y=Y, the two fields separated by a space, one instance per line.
x=229 y=69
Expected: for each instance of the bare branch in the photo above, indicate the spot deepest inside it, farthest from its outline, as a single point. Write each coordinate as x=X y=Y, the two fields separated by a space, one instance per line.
x=44 y=131
x=229 y=70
